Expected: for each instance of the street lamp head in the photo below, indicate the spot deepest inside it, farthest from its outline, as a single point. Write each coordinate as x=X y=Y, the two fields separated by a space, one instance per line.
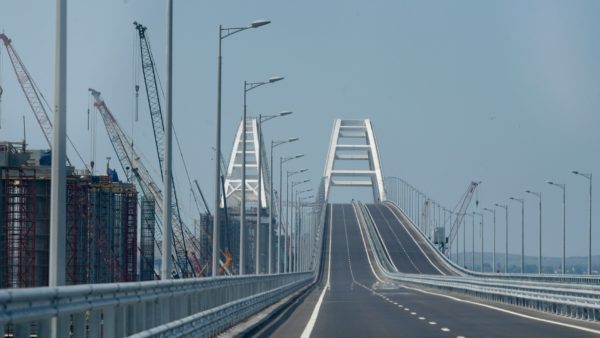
x=299 y=155
x=512 y=198
x=293 y=139
x=550 y=182
x=259 y=23
x=302 y=170
x=575 y=172
x=284 y=113
x=275 y=79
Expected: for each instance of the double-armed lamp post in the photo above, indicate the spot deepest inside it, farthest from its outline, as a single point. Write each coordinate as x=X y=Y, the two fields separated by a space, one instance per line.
x=223 y=33
x=259 y=152
x=248 y=86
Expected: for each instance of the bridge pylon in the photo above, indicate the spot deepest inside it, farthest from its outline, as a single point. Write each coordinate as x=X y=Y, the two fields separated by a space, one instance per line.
x=353 y=158
x=233 y=180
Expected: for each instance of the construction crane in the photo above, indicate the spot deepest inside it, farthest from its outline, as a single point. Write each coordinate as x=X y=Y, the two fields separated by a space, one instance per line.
x=154 y=105
x=128 y=157
x=35 y=98
x=460 y=211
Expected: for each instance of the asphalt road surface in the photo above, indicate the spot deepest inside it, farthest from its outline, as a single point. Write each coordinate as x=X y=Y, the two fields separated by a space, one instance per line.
x=357 y=303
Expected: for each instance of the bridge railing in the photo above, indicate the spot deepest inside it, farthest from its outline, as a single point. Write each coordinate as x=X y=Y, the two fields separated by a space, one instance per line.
x=582 y=281
x=560 y=299
x=120 y=309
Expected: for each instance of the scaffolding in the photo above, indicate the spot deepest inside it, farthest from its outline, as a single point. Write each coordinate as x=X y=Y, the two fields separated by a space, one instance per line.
x=147 y=238
x=101 y=224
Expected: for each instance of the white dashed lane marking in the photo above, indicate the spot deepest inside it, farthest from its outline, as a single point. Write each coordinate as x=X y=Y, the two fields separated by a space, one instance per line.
x=432 y=323
x=445 y=329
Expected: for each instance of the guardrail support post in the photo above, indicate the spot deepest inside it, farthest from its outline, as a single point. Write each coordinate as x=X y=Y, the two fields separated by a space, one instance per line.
x=94 y=324
x=78 y=324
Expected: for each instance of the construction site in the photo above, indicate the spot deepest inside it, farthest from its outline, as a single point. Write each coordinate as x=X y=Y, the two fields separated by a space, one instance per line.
x=101 y=223
x=114 y=227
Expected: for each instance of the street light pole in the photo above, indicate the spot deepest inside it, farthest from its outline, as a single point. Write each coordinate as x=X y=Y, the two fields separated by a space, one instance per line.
x=589 y=177
x=564 y=190
x=282 y=160
x=493 y=211
x=481 y=224
x=223 y=33
x=288 y=227
x=259 y=122
x=273 y=145
x=505 y=207
x=473 y=242
x=522 y=201
x=248 y=86
x=59 y=325
x=539 y=196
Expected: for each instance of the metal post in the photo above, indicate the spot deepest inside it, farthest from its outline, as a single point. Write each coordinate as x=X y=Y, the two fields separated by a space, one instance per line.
x=217 y=178
x=165 y=269
x=589 y=177
x=287 y=210
x=473 y=244
x=590 y=232
x=493 y=211
x=564 y=227
x=270 y=269
x=279 y=232
x=540 y=235
x=243 y=204
x=522 y=236
x=505 y=207
x=464 y=242
x=259 y=207
x=481 y=215
x=522 y=201
x=506 y=240
x=58 y=183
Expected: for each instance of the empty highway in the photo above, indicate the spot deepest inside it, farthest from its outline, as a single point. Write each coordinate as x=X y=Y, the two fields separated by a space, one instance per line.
x=353 y=301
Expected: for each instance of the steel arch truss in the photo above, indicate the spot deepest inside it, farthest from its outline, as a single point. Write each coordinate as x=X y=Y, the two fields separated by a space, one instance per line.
x=353 y=158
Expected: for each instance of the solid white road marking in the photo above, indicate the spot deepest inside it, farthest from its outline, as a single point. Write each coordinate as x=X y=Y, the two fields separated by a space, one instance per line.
x=313 y=317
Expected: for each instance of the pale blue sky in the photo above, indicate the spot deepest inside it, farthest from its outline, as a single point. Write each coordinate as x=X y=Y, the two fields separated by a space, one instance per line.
x=506 y=92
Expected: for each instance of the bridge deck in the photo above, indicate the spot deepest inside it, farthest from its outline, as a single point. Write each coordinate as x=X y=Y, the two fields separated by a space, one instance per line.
x=359 y=304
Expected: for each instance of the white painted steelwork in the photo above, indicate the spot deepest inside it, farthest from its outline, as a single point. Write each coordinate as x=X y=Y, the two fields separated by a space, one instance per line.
x=233 y=180
x=353 y=141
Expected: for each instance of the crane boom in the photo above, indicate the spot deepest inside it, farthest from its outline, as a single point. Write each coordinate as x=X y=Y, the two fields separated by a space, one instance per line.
x=29 y=88
x=154 y=105
x=128 y=157
x=33 y=95
x=460 y=212
x=153 y=95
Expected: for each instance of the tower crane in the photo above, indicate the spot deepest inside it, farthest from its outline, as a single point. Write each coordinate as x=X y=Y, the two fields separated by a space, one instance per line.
x=33 y=95
x=153 y=95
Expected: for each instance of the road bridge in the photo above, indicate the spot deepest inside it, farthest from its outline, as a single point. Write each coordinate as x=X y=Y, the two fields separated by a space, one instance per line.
x=370 y=272
x=354 y=300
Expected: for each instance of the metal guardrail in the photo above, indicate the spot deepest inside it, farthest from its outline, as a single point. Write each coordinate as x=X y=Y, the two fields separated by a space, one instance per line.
x=582 y=281
x=560 y=299
x=121 y=309
x=173 y=308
